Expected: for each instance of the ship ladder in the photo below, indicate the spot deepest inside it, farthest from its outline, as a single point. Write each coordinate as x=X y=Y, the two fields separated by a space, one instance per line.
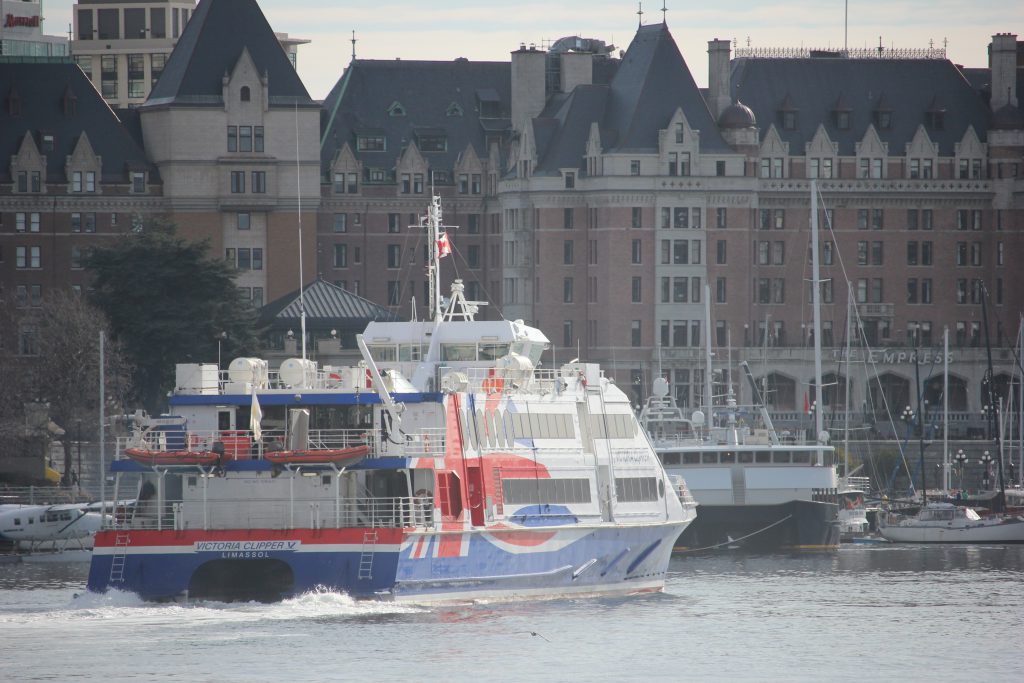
x=366 y=558
x=121 y=542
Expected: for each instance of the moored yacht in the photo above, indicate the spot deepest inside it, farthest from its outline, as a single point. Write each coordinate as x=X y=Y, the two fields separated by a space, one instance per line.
x=446 y=465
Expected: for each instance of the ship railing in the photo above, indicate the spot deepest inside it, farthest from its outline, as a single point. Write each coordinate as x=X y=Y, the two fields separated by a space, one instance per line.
x=241 y=444
x=862 y=484
x=276 y=513
x=426 y=443
x=490 y=380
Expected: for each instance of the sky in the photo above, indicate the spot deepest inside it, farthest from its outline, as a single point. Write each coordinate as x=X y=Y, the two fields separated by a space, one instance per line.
x=447 y=29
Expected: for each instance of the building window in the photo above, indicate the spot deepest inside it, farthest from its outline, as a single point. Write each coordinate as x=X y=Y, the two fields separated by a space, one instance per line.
x=634 y=167
x=90 y=181
x=27 y=257
x=567 y=336
x=567 y=255
x=637 y=290
x=393 y=222
x=394 y=256
x=371 y=143
x=567 y=222
x=259 y=182
x=257 y=140
x=232 y=138
x=570 y=181
x=340 y=255
x=76 y=182
x=720 y=290
x=720 y=252
x=237 y=182
x=637 y=252
x=139 y=183
x=90 y=222
x=136 y=74
x=156 y=65
x=340 y=222
x=720 y=218
x=635 y=336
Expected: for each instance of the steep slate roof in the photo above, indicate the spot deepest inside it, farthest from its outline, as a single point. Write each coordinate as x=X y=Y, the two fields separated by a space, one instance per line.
x=651 y=83
x=41 y=87
x=910 y=86
x=361 y=98
x=325 y=304
x=210 y=46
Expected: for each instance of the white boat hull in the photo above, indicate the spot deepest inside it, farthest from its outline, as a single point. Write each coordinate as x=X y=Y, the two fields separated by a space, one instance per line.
x=1009 y=530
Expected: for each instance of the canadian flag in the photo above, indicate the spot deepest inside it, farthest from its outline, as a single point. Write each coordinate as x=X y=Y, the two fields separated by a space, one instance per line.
x=444 y=247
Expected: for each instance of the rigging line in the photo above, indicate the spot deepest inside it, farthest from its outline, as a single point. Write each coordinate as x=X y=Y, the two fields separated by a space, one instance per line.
x=734 y=540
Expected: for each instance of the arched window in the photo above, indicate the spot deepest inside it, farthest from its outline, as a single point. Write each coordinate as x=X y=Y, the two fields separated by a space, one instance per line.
x=244 y=95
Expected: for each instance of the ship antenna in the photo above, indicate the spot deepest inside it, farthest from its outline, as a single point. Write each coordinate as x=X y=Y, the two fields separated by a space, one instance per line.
x=298 y=185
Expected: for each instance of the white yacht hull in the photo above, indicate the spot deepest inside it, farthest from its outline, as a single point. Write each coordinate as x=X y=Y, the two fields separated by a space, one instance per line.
x=1008 y=530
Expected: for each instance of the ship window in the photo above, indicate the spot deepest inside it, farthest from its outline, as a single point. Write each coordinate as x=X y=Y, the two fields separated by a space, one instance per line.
x=709 y=458
x=801 y=458
x=612 y=426
x=325 y=480
x=728 y=457
x=670 y=458
x=17 y=521
x=192 y=481
x=636 y=489
x=410 y=352
x=481 y=428
x=780 y=456
x=382 y=353
x=763 y=456
x=746 y=457
x=493 y=351
x=691 y=458
x=533 y=491
x=459 y=353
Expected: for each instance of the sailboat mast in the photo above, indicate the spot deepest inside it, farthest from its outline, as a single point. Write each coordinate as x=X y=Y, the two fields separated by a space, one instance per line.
x=1020 y=401
x=947 y=482
x=846 y=388
x=708 y=400
x=920 y=415
x=819 y=426
x=991 y=398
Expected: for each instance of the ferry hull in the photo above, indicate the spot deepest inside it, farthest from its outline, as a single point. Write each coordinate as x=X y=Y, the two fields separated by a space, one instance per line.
x=393 y=564
x=793 y=525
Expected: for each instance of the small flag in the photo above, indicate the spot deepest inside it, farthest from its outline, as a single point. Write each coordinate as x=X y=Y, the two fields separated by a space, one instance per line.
x=807 y=405
x=444 y=247
x=255 y=417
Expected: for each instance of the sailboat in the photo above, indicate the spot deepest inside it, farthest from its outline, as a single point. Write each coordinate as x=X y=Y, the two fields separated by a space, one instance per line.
x=943 y=522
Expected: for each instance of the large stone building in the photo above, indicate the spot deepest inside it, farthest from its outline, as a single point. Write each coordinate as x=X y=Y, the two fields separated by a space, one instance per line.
x=607 y=198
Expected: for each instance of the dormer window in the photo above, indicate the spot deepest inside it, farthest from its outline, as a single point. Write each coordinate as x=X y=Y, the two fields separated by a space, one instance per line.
x=883 y=113
x=453 y=109
x=245 y=95
x=396 y=109
x=788 y=113
x=841 y=113
x=370 y=142
x=14 y=104
x=48 y=143
x=432 y=141
x=935 y=115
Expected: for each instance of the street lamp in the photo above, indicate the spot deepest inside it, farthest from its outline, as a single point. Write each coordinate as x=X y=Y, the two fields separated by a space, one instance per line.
x=220 y=338
x=986 y=462
x=961 y=461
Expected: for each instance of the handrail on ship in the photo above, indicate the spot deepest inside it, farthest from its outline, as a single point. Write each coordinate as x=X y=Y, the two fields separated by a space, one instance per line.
x=275 y=513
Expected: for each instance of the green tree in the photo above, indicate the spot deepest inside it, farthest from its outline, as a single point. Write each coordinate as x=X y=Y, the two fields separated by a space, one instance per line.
x=168 y=302
x=51 y=375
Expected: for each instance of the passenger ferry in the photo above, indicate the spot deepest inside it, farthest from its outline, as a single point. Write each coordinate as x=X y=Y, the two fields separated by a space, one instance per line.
x=469 y=473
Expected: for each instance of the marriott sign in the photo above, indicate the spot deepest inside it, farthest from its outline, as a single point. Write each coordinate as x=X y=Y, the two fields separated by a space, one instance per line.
x=11 y=21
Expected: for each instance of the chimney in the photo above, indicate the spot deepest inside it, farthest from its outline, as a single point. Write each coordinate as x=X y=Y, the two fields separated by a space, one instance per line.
x=1003 y=63
x=719 y=90
x=528 y=85
x=577 y=69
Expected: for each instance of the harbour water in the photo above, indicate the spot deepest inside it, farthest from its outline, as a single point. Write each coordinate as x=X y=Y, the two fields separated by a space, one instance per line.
x=897 y=613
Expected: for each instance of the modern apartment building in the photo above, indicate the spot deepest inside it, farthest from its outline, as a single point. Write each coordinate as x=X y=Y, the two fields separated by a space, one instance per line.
x=21 y=31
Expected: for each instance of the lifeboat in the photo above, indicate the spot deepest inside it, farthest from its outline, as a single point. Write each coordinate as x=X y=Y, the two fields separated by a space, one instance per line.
x=341 y=457
x=145 y=456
